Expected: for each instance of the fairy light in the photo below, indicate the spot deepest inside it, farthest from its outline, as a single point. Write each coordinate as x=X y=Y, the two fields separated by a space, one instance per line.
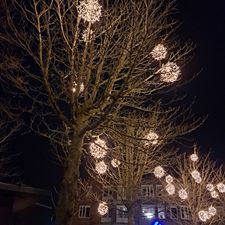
x=115 y=162
x=102 y=208
x=183 y=194
x=194 y=157
x=101 y=167
x=195 y=174
x=87 y=36
x=203 y=215
x=220 y=187
x=90 y=10
x=212 y=211
x=170 y=188
x=169 y=179
x=159 y=52
x=198 y=180
x=214 y=194
x=169 y=72
x=74 y=88
x=152 y=138
x=210 y=187
x=159 y=172
x=98 y=149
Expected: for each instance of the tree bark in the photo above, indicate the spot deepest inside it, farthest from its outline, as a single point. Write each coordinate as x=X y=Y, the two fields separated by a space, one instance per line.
x=130 y=216
x=68 y=191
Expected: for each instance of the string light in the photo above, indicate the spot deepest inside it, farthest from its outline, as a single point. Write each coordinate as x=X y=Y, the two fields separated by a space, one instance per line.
x=169 y=179
x=89 y=10
x=152 y=138
x=101 y=167
x=210 y=187
x=195 y=174
x=198 y=180
x=115 y=162
x=74 y=88
x=102 y=208
x=214 y=194
x=169 y=72
x=98 y=149
x=203 y=215
x=170 y=188
x=221 y=187
x=194 y=157
x=212 y=211
x=159 y=171
x=183 y=194
x=86 y=37
x=159 y=52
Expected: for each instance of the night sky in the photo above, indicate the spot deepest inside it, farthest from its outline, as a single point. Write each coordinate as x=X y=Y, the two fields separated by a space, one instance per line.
x=203 y=23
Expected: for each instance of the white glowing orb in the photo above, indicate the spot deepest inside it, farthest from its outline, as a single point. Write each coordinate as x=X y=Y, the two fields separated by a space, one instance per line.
x=159 y=172
x=74 y=88
x=98 y=149
x=221 y=187
x=195 y=174
x=203 y=215
x=102 y=208
x=183 y=194
x=212 y=211
x=194 y=157
x=170 y=188
x=87 y=37
x=115 y=162
x=169 y=72
x=198 y=180
x=89 y=10
x=159 y=52
x=210 y=187
x=152 y=138
x=169 y=179
x=101 y=167
x=214 y=194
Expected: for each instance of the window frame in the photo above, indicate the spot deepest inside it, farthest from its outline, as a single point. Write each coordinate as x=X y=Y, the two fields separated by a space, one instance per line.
x=82 y=213
x=149 y=190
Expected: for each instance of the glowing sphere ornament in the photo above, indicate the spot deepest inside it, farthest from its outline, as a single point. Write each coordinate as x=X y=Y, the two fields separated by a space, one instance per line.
x=89 y=10
x=183 y=194
x=221 y=187
x=169 y=179
x=101 y=167
x=98 y=149
x=210 y=187
x=102 y=208
x=169 y=72
x=203 y=215
x=194 y=157
x=159 y=52
x=152 y=138
x=170 y=188
x=159 y=172
x=198 y=180
x=212 y=211
x=214 y=194
x=115 y=162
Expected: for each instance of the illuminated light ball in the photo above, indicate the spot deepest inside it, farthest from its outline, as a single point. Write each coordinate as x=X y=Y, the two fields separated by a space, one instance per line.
x=212 y=211
x=221 y=187
x=210 y=187
x=75 y=87
x=214 y=194
x=198 y=180
x=159 y=172
x=203 y=215
x=89 y=10
x=170 y=188
x=183 y=194
x=101 y=167
x=87 y=37
x=169 y=179
x=159 y=52
x=169 y=72
x=98 y=149
x=102 y=208
x=195 y=174
x=152 y=138
x=115 y=162
x=194 y=157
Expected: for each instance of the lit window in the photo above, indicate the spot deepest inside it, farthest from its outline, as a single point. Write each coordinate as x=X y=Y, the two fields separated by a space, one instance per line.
x=84 y=211
x=173 y=212
x=185 y=213
x=147 y=190
x=148 y=211
x=161 y=212
x=121 y=214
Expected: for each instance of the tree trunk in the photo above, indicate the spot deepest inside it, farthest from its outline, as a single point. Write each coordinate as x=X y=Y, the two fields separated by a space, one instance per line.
x=130 y=216
x=68 y=191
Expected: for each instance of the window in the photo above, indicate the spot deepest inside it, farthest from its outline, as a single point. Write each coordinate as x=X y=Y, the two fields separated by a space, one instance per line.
x=185 y=213
x=147 y=190
x=159 y=189
x=173 y=212
x=148 y=211
x=121 y=194
x=84 y=211
x=161 y=212
x=121 y=214
x=107 y=193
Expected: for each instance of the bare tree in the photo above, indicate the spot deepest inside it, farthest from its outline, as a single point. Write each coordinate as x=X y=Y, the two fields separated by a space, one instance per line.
x=79 y=65
x=198 y=186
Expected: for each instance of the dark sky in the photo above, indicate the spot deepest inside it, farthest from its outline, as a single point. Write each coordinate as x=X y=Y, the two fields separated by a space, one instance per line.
x=202 y=22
